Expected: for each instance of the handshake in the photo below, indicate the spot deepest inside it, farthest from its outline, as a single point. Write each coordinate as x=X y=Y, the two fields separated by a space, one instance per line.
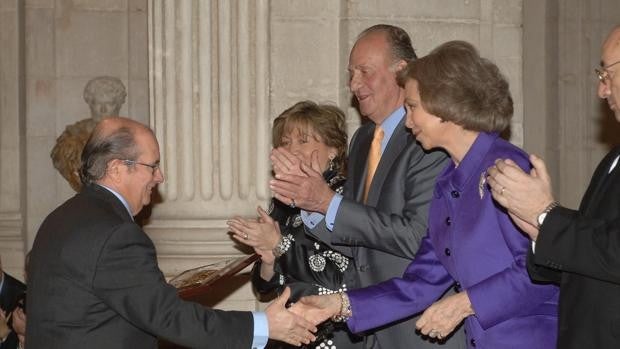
x=297 y=324
x=438 y=320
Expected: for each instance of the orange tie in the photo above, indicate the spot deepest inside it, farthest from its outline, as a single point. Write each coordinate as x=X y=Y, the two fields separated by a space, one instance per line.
x=374 y=156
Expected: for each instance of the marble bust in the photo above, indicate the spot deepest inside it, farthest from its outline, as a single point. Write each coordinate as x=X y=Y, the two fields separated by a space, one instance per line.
x=104 y=95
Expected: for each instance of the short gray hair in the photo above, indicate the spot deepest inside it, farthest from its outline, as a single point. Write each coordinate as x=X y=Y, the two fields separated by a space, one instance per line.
x=397 y=38
x=102 y=148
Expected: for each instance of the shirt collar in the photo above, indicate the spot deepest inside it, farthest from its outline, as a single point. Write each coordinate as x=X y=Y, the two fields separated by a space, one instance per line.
x=120 y=197
x=2 y=277
x=389 y=125
x=460 y=176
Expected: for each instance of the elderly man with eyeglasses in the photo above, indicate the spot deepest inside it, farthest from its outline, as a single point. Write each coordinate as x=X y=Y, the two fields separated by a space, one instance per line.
x=93 y=278
x=578 y=249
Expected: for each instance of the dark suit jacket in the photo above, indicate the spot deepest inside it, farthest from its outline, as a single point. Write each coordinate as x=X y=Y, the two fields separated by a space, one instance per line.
x=94 y=283
x=581 y=251
x=11 y=341
x=10 y=292
x=383 y=235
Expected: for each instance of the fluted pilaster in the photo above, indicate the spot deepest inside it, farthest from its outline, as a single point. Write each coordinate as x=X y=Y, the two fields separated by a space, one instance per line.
x=11 y=137
x=209 y=108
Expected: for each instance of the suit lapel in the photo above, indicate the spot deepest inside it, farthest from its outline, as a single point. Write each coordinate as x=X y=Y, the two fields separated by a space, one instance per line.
x=395 y=146
x=600 y=181
x=359 y=158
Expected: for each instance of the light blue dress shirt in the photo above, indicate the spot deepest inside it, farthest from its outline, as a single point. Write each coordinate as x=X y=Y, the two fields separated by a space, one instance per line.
x=261 y=324
x=311 y=219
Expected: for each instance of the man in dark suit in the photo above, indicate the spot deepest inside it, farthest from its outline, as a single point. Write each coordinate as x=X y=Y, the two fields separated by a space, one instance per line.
x=578 y=249
x=93 y=275
x=380 y=219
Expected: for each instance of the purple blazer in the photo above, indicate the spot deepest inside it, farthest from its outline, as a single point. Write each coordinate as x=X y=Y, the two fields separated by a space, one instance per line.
x=472 y=245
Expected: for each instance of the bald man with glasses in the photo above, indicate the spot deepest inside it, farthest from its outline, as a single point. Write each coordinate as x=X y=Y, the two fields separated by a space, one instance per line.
x=578 y=249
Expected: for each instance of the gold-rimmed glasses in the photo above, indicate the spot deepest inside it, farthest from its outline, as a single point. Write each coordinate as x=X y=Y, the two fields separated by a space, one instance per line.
x=154 y=167
x=603 y=74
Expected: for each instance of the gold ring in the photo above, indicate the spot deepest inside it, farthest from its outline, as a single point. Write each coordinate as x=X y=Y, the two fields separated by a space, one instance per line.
x=245 y=236
x=502 y=191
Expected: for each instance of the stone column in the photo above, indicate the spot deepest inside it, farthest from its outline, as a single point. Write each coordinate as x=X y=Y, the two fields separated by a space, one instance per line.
x=209 y=94
x=12 y=137
x=565 y=121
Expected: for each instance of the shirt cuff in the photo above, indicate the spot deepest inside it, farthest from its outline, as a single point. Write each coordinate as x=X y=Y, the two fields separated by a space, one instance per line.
x=332 y=209
x=533 y=247
x=311 y=219
x=261 y=330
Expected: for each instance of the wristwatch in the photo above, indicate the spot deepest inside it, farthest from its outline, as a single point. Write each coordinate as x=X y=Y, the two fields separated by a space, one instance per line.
x=541 y=217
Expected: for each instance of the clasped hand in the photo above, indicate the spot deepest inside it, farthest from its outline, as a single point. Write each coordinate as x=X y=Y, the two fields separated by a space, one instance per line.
x=287 y=326
x=262 y=233
x=299 y=184
x=317 y=309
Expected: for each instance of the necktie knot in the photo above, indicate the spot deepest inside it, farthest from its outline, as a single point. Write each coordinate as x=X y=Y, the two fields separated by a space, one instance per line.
x=378 y=135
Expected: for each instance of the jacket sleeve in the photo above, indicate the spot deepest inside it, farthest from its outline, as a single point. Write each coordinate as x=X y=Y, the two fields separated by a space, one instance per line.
x=394 y=233
x=261 y=285
x=541 y=274
x=423 y=282
x=129 y=281
x=570 y=242
x=488 y=296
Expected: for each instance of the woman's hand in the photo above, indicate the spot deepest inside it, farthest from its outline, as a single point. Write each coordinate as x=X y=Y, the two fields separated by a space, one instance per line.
x=317 y=309
x=262 y=233
x=442 y=317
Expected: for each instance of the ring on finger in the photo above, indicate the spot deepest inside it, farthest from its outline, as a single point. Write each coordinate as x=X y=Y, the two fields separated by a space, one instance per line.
x=245 y=236
x=292 y=204
x=501 y=192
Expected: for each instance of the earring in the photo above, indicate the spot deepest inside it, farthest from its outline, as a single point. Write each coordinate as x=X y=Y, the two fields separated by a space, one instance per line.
x=331 y=162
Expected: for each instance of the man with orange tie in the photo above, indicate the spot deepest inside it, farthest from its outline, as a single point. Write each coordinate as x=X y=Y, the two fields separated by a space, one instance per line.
x=381 y=216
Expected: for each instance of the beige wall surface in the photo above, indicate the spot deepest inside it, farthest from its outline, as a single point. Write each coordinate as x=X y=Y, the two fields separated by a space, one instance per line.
x=225 y=64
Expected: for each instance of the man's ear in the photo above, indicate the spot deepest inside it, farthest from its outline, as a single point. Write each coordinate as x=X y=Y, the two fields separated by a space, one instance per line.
x=400 y=65
x=115 y=169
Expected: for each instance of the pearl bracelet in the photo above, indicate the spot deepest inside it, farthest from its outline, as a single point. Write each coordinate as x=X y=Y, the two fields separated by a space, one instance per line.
x=345 y=309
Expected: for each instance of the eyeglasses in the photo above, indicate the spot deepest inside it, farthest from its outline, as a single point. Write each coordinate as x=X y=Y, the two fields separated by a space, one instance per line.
x=603 y=74
x=154 y=167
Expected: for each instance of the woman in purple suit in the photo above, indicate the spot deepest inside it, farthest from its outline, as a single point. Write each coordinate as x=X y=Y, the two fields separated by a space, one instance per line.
x=459 y=102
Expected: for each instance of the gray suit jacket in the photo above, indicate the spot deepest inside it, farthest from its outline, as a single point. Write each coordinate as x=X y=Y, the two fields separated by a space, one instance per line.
x=383 y=236
x=93 y=282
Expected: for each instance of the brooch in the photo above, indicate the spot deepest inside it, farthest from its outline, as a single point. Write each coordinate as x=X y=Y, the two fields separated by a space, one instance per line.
x=481 y=183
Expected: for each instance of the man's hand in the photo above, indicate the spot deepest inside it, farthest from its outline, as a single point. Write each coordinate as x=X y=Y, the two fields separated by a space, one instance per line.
x=309 y=191
x=285 y=325
x=4 y=326
x=317 y=309
x=285 y=162
x=441 y=318
x=524 y=195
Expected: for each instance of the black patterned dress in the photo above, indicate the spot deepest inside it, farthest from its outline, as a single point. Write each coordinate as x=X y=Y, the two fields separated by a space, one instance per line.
x=309 y=267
